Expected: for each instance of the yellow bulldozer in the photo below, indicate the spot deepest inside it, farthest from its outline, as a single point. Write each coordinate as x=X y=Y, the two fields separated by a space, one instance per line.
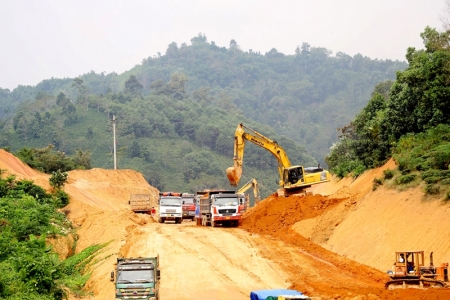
x=409 y=271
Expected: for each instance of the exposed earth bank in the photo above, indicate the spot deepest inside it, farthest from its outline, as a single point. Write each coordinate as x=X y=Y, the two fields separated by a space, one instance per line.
x=335 y=244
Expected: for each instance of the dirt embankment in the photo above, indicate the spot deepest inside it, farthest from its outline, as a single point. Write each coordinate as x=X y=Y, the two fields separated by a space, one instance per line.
x=336 y=244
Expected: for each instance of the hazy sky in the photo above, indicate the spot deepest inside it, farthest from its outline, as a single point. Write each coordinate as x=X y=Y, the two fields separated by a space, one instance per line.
x=41 y=39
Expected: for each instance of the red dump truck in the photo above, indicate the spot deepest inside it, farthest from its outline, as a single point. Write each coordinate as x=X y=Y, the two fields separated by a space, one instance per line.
x=188 y=201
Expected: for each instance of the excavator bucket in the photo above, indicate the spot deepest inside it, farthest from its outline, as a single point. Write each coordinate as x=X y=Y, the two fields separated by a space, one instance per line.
x=233 y=176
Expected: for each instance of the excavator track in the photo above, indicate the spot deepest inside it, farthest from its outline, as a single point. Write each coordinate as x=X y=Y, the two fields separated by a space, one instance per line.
x=413 y=283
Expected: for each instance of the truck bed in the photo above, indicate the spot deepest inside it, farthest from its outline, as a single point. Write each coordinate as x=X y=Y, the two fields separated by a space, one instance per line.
x=140 y=203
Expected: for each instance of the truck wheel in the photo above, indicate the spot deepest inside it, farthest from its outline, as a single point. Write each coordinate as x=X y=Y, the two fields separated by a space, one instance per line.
x=180 y=220
x=160 y=220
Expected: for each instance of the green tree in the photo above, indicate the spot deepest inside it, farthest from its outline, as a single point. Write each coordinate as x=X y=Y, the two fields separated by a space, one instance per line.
x=82 y=91
x=82 y=159
x=133 y=86
x=419 y=97
x=58 y=179
x=135 y=149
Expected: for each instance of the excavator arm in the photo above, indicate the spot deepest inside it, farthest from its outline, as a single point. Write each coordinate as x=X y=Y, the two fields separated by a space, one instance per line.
x=244 y=134
x=252 y=183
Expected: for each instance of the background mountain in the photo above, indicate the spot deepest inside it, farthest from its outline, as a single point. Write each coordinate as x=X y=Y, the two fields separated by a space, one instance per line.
x=176 y=113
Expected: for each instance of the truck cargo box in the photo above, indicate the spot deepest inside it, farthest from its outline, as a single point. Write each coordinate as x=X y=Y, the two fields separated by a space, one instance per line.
x=140 y=203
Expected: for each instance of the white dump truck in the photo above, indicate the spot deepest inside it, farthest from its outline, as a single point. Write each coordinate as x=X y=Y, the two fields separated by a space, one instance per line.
x=218 y=207
x=170 y=207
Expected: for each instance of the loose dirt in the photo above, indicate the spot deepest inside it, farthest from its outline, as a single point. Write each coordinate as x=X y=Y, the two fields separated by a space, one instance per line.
x=335 y=244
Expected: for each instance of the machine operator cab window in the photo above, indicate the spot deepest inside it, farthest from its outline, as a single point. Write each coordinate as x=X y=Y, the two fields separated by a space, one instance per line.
x=407 y=261
x=293 y=175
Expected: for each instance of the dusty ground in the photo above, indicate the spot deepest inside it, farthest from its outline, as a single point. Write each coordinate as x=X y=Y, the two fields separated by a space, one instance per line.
x=336 y=244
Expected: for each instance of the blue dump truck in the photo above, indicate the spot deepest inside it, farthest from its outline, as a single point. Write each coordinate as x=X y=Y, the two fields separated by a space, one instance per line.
x=277 y=294
x=137 y=278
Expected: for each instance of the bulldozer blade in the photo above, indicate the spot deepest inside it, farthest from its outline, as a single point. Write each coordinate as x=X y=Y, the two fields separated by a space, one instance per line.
x=233 y=176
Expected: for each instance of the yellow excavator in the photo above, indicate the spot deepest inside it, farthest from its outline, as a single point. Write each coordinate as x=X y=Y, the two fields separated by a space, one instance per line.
x=254 y=184
x=293 y=179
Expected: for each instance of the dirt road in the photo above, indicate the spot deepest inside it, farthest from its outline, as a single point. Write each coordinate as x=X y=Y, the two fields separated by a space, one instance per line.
x=300 y=243
x=206 y=263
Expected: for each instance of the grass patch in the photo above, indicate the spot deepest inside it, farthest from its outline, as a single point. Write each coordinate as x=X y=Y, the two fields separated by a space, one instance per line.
x=404 y=179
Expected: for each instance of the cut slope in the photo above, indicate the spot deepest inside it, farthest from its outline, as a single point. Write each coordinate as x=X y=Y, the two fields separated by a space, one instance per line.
x=381 y=222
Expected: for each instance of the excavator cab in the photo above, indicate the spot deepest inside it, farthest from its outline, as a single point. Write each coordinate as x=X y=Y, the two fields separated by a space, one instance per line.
x=293 y=175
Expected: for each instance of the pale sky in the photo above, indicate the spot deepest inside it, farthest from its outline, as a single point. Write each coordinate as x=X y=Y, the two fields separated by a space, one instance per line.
x=41 y=39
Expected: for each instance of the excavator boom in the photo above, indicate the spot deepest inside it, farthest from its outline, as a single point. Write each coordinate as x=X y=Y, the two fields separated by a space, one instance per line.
x=241 y=135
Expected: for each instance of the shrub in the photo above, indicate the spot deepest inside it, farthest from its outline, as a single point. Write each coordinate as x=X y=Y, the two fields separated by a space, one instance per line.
x=431 y=180
x=404 y=179
x=445 y=181
x=376 y=183
x=354 y=166
x=447 y=196
x=431 y=189
x=406 y=171
x=388 y=174
x=62 y=198
x=58 y=179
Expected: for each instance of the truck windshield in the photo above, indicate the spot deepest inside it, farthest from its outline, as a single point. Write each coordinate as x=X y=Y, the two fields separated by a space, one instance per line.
x=232 y=201
x=170 y=201
x=188 y=200
x=135 y=276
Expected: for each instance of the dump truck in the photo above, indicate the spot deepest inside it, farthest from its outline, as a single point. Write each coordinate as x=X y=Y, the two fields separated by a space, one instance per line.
x=170 y=207
x=188 y=205
x=137 y=278
x=140 y=203
x=277 y=294
x=218 y=207
x=409 y=270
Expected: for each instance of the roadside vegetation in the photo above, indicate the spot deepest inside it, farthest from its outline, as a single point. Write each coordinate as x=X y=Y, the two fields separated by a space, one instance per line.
x=406 y=119
x=29 y=268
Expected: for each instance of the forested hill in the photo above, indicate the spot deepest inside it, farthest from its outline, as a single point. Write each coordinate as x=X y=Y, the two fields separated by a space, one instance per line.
x=190 y=100
x=305 y=96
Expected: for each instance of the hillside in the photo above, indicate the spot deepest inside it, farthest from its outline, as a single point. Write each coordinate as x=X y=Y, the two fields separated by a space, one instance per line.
x=371 y=225
x=304 y=97
x=335 y=244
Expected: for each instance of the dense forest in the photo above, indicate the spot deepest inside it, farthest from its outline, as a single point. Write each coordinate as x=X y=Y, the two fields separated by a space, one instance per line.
x=176 y=112
x=406 y=119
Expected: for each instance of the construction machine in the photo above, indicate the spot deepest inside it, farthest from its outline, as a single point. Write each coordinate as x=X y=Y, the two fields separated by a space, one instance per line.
x=409 y=271
x=293 y=179
x=244 y=198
